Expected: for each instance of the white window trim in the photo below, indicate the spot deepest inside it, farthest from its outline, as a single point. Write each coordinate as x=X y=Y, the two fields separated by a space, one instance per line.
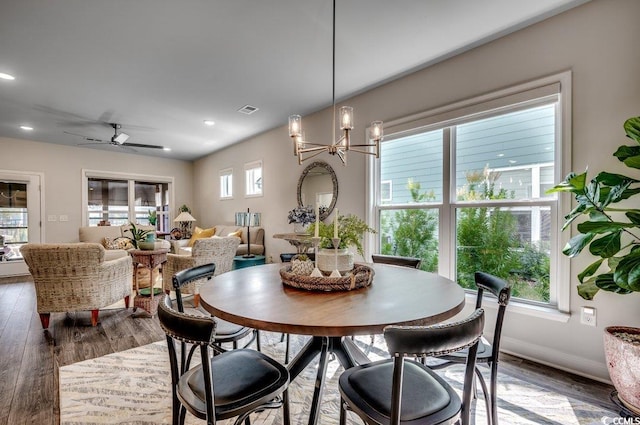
x=250 y=166
x=223 y=173
x=556 y=85
x=97 y=174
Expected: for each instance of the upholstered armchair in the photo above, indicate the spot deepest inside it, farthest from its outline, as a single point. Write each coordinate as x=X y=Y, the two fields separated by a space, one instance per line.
x=76 y=277
x=219 y=251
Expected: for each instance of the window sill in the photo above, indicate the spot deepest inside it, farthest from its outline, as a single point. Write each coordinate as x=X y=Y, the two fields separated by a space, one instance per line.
x=515 y=307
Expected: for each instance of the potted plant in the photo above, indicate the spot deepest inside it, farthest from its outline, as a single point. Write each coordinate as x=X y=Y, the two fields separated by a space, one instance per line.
x=613 y=235
x=351 y=230
x=139 y=237
x=153 y=217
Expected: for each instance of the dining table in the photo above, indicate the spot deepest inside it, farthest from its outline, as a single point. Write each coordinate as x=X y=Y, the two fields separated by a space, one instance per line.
x=256 y=297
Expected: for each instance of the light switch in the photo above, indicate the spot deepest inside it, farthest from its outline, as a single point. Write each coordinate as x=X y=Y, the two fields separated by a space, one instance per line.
x=52 y=218
x=64 y=217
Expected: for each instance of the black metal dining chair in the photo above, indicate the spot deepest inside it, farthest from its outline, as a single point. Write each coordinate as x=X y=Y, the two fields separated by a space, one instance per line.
x=231 y=384
x=395 y=260
x=487 y=352
x=226 y=332
x=404 y=391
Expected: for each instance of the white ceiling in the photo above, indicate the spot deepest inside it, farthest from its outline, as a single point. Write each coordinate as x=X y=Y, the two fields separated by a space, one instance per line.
x=161 y=67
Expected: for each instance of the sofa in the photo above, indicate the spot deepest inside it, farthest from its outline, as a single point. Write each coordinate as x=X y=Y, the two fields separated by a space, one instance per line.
x=181 y=246
x=107 y=236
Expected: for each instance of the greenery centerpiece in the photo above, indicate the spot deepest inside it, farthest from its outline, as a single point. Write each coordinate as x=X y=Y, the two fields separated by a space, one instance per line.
x=612 y=234
x=351 y=230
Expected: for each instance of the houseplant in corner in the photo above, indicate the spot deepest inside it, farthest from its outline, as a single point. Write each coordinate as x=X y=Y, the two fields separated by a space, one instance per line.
x=613 y=235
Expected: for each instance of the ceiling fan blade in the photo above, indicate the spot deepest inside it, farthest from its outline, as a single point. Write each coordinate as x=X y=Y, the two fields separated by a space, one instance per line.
x=87 y=138
x=139 y=145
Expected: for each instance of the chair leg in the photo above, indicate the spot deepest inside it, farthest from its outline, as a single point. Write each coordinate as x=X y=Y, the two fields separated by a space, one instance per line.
x=343 y=412
x=126 y=301
x=286 y=350
x=285 y=407
x=488 y=402
x=196 y=300
x=257 y=339
x=94 y=317
x=494 y=395
x=44 y=319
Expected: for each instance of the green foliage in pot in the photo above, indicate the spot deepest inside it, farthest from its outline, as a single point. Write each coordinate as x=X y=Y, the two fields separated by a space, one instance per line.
x=137 y=235
x=153 y=217
x=610 y=233
x=351 y=230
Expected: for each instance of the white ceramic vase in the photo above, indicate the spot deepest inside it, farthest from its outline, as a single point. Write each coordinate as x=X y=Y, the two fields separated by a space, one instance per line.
x=300 y=227
x=327 y=262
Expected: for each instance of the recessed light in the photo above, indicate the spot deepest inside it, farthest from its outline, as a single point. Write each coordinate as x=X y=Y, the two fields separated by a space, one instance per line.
x=6 y=76
x=511 y=161
x=26 y=128
x=166 y=149
x=209 y=123
x=500 y=155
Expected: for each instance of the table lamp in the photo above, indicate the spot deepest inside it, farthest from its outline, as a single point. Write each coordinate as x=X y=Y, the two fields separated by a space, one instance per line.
x=248 y=219
x=185 y=219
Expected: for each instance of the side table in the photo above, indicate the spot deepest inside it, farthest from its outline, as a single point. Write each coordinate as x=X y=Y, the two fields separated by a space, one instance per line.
x=240 y=262
x=151 y=259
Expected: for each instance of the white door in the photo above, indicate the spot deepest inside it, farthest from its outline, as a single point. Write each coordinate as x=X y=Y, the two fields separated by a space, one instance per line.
x=20 y=218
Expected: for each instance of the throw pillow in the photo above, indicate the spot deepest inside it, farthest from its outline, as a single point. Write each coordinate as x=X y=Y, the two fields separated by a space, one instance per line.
x=199 y=233
x=237 y=233
x=117 y=243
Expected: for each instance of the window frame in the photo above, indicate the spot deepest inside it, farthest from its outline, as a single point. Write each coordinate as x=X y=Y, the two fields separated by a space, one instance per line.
x=227 y=172
x=522 y=96
x=131 y=179
x=249 y=167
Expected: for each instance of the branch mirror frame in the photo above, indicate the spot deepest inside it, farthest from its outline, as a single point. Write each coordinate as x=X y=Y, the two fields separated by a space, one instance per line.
x=314 y=169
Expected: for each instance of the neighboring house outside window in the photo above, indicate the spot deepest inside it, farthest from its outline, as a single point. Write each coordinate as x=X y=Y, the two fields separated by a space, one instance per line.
x=465 y=191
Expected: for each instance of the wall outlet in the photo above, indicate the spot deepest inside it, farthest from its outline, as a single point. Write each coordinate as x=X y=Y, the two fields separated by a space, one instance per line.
x=64 y=217
x=588 y=316
x=52 y=218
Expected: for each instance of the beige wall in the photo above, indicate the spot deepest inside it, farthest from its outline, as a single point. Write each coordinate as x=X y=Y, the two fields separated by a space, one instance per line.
x=595 y=41
x=62 y=169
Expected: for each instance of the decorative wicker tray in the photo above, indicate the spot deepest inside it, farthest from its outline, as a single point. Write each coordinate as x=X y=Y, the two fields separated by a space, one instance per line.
x=360 y=277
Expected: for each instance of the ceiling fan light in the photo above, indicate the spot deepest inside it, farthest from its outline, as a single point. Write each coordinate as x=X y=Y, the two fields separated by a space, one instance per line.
x=6 y=76
x=121 y=138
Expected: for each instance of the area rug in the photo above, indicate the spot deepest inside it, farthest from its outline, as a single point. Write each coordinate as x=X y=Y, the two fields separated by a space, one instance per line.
x=133 y=387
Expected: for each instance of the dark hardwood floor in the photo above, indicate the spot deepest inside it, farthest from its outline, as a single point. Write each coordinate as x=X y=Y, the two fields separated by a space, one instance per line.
x=30 y=357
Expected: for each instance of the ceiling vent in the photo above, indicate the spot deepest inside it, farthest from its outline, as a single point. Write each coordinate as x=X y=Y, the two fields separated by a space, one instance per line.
x=247 y=109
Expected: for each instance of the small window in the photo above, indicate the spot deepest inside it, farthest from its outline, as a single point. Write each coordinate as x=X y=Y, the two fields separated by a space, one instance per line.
x=226 y=184
x=253 y=178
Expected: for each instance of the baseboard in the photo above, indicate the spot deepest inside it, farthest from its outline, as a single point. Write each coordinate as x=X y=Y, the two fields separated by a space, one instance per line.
x=556 y=359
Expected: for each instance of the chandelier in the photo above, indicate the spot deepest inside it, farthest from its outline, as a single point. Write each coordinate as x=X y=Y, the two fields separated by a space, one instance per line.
x=304 y=149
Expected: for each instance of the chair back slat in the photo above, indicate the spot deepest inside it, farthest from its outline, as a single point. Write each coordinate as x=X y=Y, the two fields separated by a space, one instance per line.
x=395 y=260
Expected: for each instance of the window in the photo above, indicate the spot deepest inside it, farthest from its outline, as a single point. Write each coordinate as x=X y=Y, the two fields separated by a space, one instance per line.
x=253 y=178
x=226 y=184
x=118 y=200
x=463 y=188
x=14 y=219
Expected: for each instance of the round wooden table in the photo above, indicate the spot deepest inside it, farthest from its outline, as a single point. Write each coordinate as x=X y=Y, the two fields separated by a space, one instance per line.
x=256 y=297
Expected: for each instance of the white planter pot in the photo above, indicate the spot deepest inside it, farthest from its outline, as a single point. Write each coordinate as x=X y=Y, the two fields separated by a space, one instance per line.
x=623 y=362
x=327 y=261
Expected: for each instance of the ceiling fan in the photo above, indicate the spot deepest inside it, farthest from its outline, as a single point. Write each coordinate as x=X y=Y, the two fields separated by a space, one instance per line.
x=118 y=139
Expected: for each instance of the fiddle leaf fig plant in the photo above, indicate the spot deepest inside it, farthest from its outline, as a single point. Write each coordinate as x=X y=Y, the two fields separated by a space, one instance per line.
x=610 y=233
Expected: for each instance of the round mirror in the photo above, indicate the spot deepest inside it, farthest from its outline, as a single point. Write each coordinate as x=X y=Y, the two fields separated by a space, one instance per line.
x=318 y=185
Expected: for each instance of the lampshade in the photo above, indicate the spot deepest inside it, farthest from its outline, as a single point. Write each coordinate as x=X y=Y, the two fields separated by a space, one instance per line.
x=247 y=219
x=184 y=216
